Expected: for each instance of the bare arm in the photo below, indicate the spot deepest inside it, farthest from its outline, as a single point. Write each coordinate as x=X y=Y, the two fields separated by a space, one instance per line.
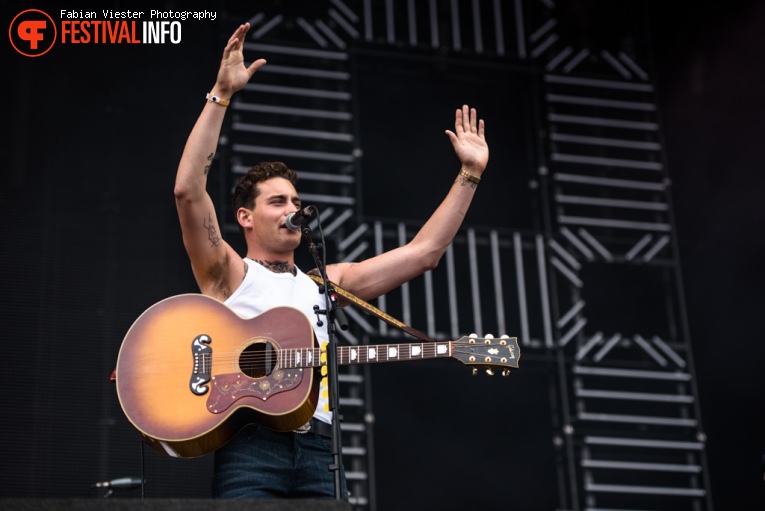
x=216 y=266
x=378 y=275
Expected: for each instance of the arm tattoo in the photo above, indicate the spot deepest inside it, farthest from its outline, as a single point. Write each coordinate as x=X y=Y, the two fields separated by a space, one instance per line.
x=210 y=159
x=464 y=182
x=212 y=232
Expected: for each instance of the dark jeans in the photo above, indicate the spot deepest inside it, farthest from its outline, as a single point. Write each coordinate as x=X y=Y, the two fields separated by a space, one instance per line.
x=262 y=464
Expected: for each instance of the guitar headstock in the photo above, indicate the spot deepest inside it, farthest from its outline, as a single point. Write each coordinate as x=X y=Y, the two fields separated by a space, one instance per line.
x=488 y=352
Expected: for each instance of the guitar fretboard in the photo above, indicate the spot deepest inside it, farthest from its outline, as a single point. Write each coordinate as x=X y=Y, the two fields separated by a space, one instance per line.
x=348 y=355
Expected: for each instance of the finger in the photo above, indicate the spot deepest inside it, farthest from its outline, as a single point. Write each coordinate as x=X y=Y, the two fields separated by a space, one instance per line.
x=481 y=128
x=466 y=118
x=452 y=137
x=255 y=66
x=473 y=120
x=458 y=121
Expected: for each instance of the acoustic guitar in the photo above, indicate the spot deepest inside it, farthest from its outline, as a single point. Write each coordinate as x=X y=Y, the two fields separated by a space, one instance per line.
x=191 y=373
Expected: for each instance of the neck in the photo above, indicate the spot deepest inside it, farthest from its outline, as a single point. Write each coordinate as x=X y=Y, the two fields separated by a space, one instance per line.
x=277 y=266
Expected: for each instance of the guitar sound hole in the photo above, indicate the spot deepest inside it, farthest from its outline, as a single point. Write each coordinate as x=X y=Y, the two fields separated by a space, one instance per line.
x=258 y=359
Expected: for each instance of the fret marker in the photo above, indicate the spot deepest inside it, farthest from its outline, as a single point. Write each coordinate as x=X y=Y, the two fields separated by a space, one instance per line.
x=353 y=354
x=372 y=353
x=441 y=349
x=297 y=358
x=310 y=357
x=416 y=351
x=392 y=353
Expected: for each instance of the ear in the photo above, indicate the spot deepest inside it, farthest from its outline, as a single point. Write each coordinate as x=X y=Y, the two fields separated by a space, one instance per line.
x=244 y=217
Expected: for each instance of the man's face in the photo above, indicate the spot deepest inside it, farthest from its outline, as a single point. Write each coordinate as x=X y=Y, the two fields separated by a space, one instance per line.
x=277 y=199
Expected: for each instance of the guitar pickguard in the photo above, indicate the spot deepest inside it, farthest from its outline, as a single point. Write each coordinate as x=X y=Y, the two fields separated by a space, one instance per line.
x=227 y=389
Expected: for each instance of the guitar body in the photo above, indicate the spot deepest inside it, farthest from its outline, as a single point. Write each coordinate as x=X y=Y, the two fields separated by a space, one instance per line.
x=191 y=373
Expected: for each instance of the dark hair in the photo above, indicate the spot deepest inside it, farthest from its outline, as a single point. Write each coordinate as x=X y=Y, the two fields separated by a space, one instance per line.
x=246 y=189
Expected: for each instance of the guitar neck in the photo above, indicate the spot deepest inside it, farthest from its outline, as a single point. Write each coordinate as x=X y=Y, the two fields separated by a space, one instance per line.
x=350 y=355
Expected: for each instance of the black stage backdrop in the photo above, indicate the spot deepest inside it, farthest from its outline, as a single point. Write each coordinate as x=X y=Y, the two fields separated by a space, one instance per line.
x=90 y=239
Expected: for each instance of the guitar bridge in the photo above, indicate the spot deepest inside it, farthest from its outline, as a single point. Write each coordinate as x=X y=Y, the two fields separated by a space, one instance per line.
x=202 y=355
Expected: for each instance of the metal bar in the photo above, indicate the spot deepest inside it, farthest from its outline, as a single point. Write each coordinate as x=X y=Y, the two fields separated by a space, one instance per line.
x=342 y=22
x=639 y=442
x=538 y=33
x=291 y=132
x=649 y=349
x=609 y=123
x=569 y=315
x=565 y=254
x=477 y=32
x=572 y=332
x=294 y=153
x=455 y=17
x=496 y=265
x=292 y=50
x=498 y=29
x=623 y=224
x=390 y=22
x=656 y=248
x=345 y=10
x=589 y=238
x=270 y=24
x=286 y=110
x=305 y=71
x=587 y=346
x=607 y=162
x=331 y=35
x=368 y=20
x=434 y=39
x=307 y=175
x=328 y=199
x=351 y=238
x=609 y=103
x=412 y=18
x=474 y=284
x=356 y=252
x=579 y=57
x=634 y=465
x=577 y=243
x=611 y=203
x=603 y=141
x=571 y=276
x=452 y=286
x=610 y=343
x=298 y=91
x=645 y=240
x=634 y=396
x=607 y=181
x=677 y=359
x=638 y=419
x=522 y=305
x=542 y=268
x=520 y=35
x=430 y=308
x=339 y=220
x=406 y=302
x=645 y=490
x=382 y=301
x=536 y=52
x=631 y=373
x=602 y=84
x=632 y=65
x=615 y=64
x=560 y=57
x=312 y=33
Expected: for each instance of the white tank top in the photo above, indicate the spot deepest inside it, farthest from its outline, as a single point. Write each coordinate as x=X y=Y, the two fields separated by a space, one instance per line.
x=263 y=289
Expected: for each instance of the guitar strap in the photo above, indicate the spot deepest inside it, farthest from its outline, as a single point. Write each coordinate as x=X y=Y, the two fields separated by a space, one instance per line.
x=374 y=311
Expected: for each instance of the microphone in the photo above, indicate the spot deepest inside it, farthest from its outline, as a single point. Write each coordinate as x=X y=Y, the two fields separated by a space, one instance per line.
x=126 y=483
x=296 y=219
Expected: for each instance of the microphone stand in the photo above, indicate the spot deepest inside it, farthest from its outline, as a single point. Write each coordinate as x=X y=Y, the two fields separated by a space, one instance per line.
x=334 y=314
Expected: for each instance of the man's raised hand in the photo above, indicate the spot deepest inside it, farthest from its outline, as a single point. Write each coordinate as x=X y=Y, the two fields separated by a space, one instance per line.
x=469 y=141
x=233 y=75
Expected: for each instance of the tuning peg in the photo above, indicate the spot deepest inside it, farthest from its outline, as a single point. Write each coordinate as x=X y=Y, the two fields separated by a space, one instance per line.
x=488 y=338
x=475 y=371
x=473 y=337
x=490 y=371
x=506 y=372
